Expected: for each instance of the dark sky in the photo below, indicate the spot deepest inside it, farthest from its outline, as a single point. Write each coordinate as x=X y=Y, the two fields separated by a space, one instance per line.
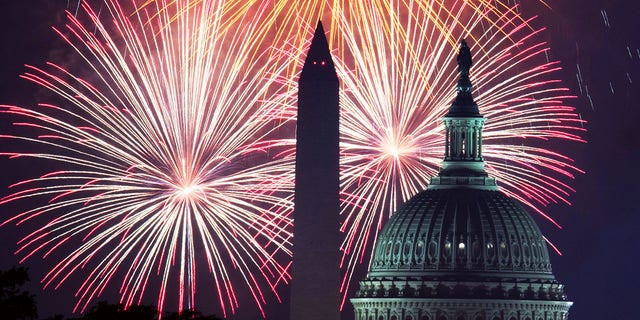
x=600 y=236
x=599 y=239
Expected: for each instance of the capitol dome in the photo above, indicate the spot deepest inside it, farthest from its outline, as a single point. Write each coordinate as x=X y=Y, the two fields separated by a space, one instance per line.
x=462 y=249
x=459 y=234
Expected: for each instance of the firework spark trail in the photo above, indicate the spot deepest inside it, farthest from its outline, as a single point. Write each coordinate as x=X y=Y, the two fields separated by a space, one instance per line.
x=170 y=144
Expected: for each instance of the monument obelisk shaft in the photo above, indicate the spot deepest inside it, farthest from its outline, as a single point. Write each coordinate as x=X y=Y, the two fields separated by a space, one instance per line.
x=316 y=240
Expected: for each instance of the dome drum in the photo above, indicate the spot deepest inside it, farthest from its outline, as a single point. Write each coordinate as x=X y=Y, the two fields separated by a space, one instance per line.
x=521 y=289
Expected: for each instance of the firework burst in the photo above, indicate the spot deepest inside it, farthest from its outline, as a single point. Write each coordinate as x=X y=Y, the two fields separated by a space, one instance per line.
x=173 y=171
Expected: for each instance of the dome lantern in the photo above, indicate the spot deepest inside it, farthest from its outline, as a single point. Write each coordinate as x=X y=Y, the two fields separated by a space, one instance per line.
x=463 y=163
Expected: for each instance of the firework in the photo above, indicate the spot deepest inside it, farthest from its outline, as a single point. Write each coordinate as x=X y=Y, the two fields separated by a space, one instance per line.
x=170 y=170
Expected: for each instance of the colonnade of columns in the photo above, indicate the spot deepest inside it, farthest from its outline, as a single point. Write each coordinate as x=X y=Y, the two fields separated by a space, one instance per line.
x=463 y=139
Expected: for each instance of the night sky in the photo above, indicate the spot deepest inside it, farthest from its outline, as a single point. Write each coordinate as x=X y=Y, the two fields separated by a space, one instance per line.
x=599 y=239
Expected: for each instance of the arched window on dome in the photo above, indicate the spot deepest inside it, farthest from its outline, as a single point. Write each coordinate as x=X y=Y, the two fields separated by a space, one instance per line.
x=419 y=251
x=475 y=250
x=446 y=251
x=433 y=251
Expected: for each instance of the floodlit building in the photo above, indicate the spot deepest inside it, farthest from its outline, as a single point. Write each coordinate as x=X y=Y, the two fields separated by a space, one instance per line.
x=462 y=249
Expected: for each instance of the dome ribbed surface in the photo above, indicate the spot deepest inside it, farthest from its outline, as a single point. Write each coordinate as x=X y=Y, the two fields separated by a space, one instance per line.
x=459 y=233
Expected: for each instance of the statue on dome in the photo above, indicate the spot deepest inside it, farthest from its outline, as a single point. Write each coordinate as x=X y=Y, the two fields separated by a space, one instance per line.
x=464 y=58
